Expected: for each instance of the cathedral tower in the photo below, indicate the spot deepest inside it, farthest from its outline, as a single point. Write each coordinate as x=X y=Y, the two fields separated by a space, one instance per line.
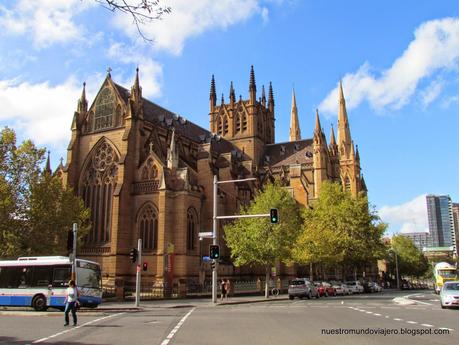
x=248 y=124
x=295 y=133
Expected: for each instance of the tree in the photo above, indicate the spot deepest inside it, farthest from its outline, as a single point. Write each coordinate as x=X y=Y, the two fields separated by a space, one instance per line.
x=411 y=261
x=142 y=11
x=255 y=241
x=35 y=209
x=339 y=229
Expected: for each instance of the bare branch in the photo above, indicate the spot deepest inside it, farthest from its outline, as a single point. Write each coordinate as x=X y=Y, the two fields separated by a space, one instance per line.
x=142 y=12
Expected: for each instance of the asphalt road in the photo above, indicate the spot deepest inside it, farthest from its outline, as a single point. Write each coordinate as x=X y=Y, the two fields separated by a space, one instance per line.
x=324 y=321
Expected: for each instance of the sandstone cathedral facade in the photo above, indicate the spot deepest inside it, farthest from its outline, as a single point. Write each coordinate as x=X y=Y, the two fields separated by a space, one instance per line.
x=146 y=172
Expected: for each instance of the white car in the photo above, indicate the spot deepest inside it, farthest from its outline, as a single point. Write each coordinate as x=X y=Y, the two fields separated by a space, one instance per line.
x=449 y=295
x=355 y=286
x=341 y=289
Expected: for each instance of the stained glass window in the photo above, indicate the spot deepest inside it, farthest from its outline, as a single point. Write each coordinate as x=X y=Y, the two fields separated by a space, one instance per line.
x=104 y=109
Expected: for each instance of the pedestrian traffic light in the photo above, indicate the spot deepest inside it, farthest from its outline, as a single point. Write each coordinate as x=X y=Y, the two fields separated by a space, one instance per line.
x=213 y=265
x=133 y=255
x=214 y=251
x=274 y=216
x=145 y=266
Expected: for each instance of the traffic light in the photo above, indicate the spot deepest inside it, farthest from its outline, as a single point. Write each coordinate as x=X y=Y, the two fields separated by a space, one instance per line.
x=213 y=264
x=214 y=251
x=70 y=241
x=133 y=255
x=274 y=216
x=145 y=266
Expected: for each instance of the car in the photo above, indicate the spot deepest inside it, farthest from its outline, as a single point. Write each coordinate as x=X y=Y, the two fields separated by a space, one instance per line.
x=324 y=289
x=449 y=295
x=375 y=287
x=355 y=286
x=329 y=289
x=342 y=289
x=302 y=287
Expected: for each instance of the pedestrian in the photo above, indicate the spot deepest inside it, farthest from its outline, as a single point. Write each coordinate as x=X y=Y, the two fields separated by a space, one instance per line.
x=71 y=303
x=223 y=288
x=228 y=288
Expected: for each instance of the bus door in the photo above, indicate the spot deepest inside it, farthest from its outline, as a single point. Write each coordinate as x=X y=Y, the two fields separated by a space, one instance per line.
x=57 y=289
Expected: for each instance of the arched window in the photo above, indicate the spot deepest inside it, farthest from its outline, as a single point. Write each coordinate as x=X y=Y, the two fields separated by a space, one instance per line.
x=148 y=227
x=104 y=109
x=347 y=184
x=192 y=228
x=98 y=182
x=225 y=125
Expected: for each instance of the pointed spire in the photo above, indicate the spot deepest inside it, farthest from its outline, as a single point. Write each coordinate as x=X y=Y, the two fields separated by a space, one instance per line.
x=232 y=94
x=295 y=133
x=136 y=90
x=61 y=162
x=48 y=165
x=213 y=93
x=252 y=86
x=172 y=154
x=344 y=134
x=223 y=98
x=352 y=155
x=318 y=128
x=263 y=95
x=82 y=102
x=271 y=96
x=357 y=155
x=332 y=136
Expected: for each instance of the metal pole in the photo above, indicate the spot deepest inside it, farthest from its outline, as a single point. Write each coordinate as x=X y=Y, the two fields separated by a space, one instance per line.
x=138 y=274
x=396 y=269
x=215 y=241
x=75 y=230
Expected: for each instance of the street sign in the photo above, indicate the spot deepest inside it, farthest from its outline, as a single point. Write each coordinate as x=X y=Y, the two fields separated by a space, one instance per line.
x=208 y=234
x=206 y=258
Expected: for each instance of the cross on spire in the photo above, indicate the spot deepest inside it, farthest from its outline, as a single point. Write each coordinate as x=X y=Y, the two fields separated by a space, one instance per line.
x=151 y=147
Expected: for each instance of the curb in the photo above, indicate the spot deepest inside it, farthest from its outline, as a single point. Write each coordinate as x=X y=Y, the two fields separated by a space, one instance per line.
x=253 y=301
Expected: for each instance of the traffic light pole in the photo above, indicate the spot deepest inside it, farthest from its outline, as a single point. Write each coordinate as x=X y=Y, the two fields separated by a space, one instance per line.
x=214 y=241
x=75 y=231
x=139 y=273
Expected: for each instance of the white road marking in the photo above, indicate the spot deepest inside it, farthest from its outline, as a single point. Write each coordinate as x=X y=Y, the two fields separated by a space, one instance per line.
x=377 y=314
x=426 y=325
x=397 y=319
x=176 y=328
x=73 y=328
x=369 y=312
x=412 y=322
x=387 y=316
x=415 y=300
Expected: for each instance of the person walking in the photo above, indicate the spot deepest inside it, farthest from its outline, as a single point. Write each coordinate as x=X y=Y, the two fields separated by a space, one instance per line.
x=223 y=288
x=71 y=301
x=227 y=287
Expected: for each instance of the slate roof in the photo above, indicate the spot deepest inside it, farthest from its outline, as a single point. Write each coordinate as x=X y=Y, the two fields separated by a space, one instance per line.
x=290 y=152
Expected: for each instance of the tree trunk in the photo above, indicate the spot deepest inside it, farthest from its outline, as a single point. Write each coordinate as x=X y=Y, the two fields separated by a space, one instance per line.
x=311 y=272
x=267 y=282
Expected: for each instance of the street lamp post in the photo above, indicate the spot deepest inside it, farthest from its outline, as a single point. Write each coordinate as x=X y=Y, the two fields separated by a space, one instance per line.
x=396 y=267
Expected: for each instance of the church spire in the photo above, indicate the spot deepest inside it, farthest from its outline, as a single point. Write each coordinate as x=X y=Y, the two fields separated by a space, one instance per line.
x=295 y=133
x=232 y=95
x=82 y=102
x=252 y=86
x=213 y=93
x=263 y=96
x=48 y=166
x=357 y=155
x=332 y=136
x=344 y=134
x=318 y=128
x=172 y=154
x=271 y=97
x=136 y=89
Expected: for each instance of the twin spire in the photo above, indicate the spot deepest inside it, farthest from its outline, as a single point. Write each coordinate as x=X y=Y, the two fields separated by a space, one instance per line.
x=295 y=133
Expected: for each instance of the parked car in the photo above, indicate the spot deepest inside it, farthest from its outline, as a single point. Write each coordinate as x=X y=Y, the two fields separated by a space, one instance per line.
x=329 y=289
x=342 y=289
x=355 y=286
x=301 y=287
x=368 y=287
x=449 y=294
x=405 y=285
x=375 y=287
x=321 y=289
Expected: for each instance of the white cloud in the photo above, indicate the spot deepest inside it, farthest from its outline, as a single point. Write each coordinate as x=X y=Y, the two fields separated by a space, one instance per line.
x=434 y=49
x=410 y=216
x=191 y=18
x=46 y=21
x=431 y=92
x=150 y=71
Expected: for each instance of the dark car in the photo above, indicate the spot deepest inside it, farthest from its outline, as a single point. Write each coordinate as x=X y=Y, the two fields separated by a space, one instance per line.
x=301 y=287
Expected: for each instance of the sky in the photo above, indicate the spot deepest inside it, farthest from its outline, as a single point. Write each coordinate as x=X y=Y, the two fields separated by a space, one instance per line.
x=398 y=61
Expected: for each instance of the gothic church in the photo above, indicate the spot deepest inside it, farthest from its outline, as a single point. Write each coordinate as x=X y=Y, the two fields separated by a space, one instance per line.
x=146 y=172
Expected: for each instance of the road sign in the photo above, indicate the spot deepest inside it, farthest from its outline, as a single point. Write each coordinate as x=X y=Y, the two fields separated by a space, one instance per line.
x=208 y=234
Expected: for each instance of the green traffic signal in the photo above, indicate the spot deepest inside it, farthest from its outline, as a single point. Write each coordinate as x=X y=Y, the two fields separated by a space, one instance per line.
x=274 y=216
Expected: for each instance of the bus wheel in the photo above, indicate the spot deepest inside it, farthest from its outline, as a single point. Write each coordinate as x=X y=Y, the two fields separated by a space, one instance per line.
x=39 y=303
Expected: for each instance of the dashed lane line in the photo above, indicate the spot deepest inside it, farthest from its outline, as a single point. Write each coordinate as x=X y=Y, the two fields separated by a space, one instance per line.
x=412 y=322
x=74 y=328
x=426 y=325
x=176 y=328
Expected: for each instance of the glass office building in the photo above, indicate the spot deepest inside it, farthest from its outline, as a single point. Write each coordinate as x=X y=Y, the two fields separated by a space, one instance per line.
x=441 y=223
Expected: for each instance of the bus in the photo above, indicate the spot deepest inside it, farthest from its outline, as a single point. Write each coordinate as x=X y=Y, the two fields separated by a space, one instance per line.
x=41 y=282
x=443 y=272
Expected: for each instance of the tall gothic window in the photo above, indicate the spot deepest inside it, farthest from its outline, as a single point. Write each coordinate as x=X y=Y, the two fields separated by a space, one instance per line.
x=104 y=109
x=347 y=184
x=244 y=122
x=99 y=181
x=219 y=125
x=192 y=221
x=238 y=123
x=148 y=227
x=225 y=125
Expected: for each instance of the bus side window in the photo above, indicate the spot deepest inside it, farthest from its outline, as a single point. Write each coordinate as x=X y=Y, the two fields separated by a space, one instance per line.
x=41 y=276
x=25 y=277
x=61 y=276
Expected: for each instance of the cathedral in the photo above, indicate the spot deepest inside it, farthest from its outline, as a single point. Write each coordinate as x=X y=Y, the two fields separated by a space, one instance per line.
x=147 y=172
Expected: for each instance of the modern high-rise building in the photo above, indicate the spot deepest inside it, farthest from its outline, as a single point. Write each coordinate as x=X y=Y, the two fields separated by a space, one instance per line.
x=420 y=239
x=441 y=221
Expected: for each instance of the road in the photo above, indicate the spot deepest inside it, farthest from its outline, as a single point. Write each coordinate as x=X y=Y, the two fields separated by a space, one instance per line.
x=294 y=322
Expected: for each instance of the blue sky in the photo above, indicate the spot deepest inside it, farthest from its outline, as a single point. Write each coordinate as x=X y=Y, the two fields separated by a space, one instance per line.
x=398 y=62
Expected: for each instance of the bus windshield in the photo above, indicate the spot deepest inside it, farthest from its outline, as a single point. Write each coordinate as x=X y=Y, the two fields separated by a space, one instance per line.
x=447 y=273
x=88 y=275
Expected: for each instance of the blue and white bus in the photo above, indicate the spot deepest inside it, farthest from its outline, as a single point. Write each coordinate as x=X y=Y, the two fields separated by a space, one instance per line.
x=41 y=282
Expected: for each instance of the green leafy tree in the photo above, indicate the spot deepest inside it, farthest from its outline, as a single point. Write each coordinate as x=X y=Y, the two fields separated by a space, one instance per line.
x=339 y=229
x=411 y=261
x=255 y=241
x=35 y=209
